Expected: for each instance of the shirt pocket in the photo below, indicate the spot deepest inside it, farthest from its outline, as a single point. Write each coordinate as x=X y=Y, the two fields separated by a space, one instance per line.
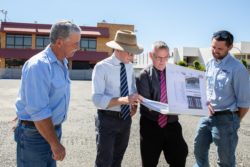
x=222 y=79
x=59 y=86
x=210 y=80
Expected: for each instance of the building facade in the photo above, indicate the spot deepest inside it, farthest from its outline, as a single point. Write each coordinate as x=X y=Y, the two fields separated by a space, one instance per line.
x=20 y=41
x=240 y=51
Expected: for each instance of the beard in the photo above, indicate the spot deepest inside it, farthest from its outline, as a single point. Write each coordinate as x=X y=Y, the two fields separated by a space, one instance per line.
x=220 y=56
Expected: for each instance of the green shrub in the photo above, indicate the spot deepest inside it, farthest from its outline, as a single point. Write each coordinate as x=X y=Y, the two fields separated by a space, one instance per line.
x=182 y=63
x=244 y=62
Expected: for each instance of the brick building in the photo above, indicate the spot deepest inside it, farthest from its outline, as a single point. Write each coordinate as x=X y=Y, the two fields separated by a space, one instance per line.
x=20 y=41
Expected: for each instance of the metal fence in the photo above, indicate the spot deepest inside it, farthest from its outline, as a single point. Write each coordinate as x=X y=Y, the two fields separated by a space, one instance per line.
x=9 y=73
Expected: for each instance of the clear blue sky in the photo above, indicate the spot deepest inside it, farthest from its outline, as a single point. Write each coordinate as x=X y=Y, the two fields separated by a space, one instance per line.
x=177 y=22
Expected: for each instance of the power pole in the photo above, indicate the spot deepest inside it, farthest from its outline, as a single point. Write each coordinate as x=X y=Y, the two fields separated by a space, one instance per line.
x=5 y=14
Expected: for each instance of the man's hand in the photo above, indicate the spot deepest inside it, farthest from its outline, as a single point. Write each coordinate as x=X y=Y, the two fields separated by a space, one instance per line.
x=128 y=100
x=58 y=151
x=133 y=99
x=140 y=98
x=46 y=129
x=133 y=110
x=210 y=109
x=14 y=121
x=242 y=112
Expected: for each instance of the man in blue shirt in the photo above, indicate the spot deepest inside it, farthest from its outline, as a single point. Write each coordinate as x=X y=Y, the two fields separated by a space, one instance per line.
x=228 y=93
x=43 y=99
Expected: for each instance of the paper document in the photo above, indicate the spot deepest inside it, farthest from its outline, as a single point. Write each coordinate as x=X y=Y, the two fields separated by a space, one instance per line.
x=186 y=90
x=156 y=106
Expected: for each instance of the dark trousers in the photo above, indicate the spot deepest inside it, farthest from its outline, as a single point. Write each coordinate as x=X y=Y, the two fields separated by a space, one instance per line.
x=112 y=136
x=169 y=139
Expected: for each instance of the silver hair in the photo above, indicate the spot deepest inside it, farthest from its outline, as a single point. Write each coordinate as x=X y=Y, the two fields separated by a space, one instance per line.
x=159 y=45
x=62 y=30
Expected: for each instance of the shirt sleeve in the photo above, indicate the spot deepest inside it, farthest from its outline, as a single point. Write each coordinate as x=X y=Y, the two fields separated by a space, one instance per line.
x=242 y=87
x=142 y=85
x=99 y=98
x=143 y=88
x=36 y=91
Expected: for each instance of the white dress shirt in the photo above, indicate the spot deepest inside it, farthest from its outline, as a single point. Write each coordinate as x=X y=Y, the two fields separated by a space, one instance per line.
x=106 y=82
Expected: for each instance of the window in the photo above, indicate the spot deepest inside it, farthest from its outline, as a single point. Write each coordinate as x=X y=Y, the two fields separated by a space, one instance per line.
x=18 y=41
x=88 y=44
x=14 y=63
x=42 y=42
x=77 y=65
x=248 y=56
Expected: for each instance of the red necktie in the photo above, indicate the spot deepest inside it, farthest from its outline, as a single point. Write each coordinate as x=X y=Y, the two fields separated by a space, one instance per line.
x=162 y=119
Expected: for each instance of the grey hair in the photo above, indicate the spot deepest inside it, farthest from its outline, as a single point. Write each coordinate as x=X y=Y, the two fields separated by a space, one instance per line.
x=159 y=45
x=62 y=30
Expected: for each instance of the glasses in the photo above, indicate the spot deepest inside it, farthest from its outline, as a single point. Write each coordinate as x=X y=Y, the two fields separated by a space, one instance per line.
x=160 y=58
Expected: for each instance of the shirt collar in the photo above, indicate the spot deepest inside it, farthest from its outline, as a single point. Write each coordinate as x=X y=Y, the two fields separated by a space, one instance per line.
x=223 y=61
x=52 y=57
x=115 y=60
x=158 y=71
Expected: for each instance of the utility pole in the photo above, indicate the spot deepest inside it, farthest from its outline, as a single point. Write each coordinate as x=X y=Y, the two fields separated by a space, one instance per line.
x=5 y=14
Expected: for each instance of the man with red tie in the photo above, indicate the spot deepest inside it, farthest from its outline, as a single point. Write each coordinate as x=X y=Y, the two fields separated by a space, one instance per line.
x=159 y=132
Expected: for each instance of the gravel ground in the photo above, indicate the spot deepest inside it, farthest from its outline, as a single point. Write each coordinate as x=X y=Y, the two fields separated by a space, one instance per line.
x=79 y=131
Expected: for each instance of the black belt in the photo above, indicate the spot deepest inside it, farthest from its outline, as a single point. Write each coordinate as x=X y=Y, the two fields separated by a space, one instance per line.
x=115 y=114
x=226 y=112
x=31 y=123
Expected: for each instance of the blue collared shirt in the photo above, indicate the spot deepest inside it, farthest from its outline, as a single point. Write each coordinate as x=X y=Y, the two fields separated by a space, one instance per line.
x=228 y=86
x=45 y=89
x=106 y=82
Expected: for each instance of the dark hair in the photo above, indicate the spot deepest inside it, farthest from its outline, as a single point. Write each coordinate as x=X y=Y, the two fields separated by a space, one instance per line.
x=224 y=35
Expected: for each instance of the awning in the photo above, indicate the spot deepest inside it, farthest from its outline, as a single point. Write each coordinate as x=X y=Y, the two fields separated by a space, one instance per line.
x=43 y=31
x=16 y=30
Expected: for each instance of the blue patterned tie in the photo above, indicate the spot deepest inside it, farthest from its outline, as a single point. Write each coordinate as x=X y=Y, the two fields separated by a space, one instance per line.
x=125 y=109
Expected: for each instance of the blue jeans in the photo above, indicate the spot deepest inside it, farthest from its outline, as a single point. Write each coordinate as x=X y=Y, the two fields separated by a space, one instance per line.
x=222 y=130
x=32 y=149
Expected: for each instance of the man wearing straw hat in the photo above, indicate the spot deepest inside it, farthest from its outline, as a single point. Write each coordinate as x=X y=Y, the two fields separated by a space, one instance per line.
x=114 y=94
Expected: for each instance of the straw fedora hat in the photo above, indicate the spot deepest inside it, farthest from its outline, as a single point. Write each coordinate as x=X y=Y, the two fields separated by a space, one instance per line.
x=125 y=40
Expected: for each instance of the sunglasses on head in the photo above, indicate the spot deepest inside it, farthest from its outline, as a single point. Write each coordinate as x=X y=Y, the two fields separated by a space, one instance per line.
x=224 y=35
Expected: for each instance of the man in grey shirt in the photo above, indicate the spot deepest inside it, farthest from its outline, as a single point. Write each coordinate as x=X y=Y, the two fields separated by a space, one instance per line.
x=228 y=93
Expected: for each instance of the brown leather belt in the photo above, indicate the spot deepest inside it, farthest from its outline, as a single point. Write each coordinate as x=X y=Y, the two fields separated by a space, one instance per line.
x=31 y=123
